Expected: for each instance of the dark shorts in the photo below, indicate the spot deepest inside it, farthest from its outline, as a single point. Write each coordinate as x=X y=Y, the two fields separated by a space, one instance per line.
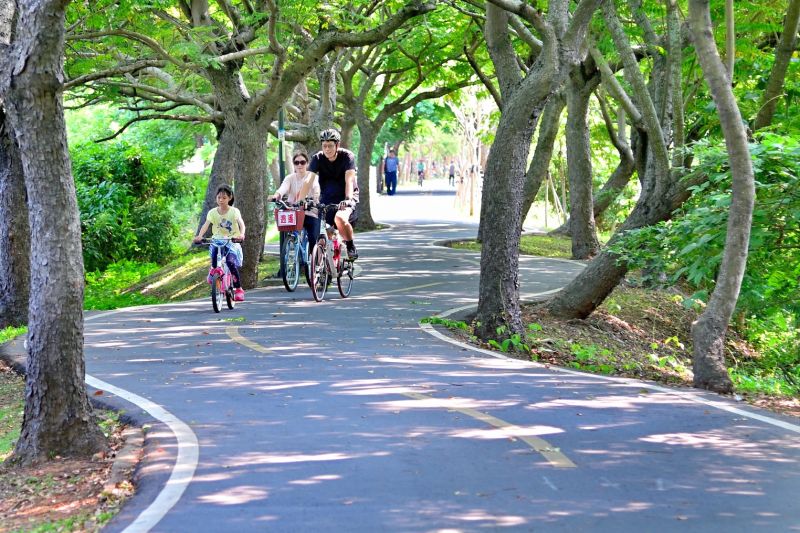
x=330 y=214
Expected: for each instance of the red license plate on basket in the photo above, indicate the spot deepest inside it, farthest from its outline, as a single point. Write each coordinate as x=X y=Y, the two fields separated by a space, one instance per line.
x=289 y=219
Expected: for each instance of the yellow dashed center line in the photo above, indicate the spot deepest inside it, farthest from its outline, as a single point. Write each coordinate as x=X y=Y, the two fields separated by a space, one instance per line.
x=233 y=333
x=548 y=451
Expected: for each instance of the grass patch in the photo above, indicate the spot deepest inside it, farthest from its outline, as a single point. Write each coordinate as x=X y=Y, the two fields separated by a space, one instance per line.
x=126 y=283
x=9 y=333
x=12 y=404
x=540 y=245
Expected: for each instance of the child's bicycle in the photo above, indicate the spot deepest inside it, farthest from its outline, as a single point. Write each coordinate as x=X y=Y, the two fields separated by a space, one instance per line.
x=294 y=254
x=329 y=259
x=220 y=278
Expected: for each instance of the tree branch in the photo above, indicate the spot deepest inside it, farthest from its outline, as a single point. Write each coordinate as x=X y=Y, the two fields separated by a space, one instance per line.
x=156 y=116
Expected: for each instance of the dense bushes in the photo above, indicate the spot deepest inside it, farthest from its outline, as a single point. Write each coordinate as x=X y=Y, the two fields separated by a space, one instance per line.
x=689 y=247
x=125 y=195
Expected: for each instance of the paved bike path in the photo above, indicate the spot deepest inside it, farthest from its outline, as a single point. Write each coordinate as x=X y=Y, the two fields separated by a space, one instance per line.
x=346 y=416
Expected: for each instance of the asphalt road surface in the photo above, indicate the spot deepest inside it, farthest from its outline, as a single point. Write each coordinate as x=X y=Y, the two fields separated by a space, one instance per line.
x=347 y=415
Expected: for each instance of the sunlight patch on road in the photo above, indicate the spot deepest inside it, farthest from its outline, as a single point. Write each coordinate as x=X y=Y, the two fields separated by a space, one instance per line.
x=549 y=452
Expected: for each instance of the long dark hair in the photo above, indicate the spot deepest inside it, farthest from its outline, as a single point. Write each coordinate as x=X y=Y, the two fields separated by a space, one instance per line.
x=228 y=192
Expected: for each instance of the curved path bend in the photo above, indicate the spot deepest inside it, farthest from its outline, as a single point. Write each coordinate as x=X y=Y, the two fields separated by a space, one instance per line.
x=347 y=416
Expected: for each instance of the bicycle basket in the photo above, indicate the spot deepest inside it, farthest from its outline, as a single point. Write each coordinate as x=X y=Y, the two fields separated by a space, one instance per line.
x=289 y=219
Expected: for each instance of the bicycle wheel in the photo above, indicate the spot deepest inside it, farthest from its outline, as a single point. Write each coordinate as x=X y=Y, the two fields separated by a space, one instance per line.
x=319 y=273
x=291 y=264
x=306 y=263
x=229 y=297
x=344 y=279
x=216 y=293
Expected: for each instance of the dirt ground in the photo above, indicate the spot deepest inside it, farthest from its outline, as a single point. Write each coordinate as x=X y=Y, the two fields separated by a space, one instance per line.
x=63 y=494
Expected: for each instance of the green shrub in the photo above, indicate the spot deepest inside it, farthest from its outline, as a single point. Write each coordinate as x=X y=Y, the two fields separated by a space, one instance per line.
x=126 y=197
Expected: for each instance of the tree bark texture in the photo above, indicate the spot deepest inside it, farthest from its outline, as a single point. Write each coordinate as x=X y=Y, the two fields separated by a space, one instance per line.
x=366 y=143
x=708 y=332
x=580 y=86
x=498 y=312
x=662 y=190
x=241 y=160
x=783 y=56
x=58 y=417
x=14 y=233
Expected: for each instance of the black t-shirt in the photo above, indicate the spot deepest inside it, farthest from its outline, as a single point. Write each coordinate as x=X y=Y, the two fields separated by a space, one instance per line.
x=331 y=174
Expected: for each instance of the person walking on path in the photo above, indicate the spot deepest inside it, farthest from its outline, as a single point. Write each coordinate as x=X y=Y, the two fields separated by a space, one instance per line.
x=452 y=173
x=390 y=172
x=334 y=169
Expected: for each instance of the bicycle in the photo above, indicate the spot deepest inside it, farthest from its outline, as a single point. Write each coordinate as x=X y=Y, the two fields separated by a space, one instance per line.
x=294 y=253
x=220 y=278
x=328 y=259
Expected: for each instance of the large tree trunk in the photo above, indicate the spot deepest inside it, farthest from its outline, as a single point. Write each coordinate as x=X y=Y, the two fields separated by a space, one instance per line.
x=783 y=56
x=241 y=158
x=368 y=135
x=501 y=225
x=708 y=332
x=251 y=154
x=585 y=244
x=14 y=234
x=58 y=417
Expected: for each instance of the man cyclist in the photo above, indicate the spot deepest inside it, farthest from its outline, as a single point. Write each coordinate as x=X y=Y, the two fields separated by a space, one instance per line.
x=335 y=170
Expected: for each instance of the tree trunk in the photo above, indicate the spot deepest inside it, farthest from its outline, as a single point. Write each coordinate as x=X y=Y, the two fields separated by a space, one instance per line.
x=14 y=234
x=241 y=159
x=579 y=165
x=223 y=171
x=368 y=135
x=58 y=417
x=501 y=225
x=777 y=77
x=708 y=332
x=549 y=123
x=251 y=172
x=614 y=185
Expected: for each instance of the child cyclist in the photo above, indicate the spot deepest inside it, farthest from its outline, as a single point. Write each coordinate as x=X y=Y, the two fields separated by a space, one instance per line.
x=226 y=223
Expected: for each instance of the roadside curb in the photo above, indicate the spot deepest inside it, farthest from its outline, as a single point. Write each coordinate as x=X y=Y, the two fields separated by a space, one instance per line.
x=13 y=353
x=126 y=459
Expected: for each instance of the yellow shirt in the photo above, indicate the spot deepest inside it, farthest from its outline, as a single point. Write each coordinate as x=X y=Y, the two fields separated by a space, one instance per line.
x=224 y=225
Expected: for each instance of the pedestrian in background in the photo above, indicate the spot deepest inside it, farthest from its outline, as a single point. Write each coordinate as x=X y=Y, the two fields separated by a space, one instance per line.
x=390 y=167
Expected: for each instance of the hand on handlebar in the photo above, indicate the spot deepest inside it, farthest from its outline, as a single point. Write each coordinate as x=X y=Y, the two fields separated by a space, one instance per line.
x=238 y=239
x=346 y=204
x=197 y=240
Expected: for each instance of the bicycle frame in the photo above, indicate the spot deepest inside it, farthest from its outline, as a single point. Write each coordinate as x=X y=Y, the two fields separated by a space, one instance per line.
x=220 y=275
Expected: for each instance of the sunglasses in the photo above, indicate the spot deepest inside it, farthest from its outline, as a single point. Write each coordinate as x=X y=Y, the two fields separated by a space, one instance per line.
x=299 y=162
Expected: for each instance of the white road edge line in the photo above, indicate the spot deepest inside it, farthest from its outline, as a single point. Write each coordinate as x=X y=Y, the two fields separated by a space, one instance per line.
x=188 y=448
x=689 y=396
x=185 y=463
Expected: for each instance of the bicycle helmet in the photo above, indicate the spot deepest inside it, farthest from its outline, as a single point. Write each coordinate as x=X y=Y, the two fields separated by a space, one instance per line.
x=330 y=135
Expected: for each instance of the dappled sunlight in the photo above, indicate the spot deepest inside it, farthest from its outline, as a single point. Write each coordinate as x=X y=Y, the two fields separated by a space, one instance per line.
x=255 y=458
x=315 y=480
x=495 y=520
x=235 y=495
x=612 y=402
x=508 y=432
x=727 y=444
x=441 y=403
